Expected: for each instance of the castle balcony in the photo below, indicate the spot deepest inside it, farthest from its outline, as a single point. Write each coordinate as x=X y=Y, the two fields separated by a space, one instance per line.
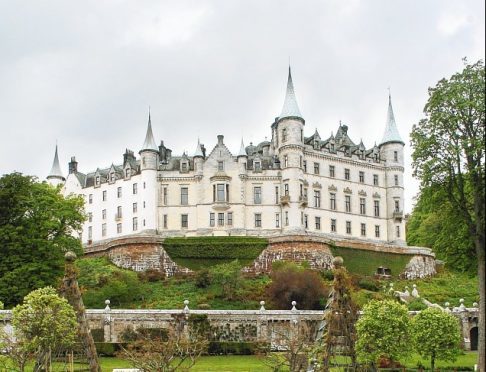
x=303 y=201
x=118 y=217
x=285 y=200
x=398 y=215
x=221 y=206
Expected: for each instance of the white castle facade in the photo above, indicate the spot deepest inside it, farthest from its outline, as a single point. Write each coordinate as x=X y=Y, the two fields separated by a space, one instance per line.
x=290 y=184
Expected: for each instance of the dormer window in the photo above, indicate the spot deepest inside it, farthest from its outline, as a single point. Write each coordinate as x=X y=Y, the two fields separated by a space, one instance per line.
x=98 y=180
x=332 y=147
x=316 y=144
x=257 y=166
x=376 y=157
x=220 y=166
x=112 y=177
x=127 y=173
x=184 y=166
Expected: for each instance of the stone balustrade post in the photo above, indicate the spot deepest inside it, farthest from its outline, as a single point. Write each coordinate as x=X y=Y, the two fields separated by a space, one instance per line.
x=107 y=323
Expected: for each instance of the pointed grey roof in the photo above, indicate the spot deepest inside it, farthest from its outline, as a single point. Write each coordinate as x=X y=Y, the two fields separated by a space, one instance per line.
x=391 y=131
x=149 y=143
x=198 y=151
x=56 y=169
x=242 y=149
x=290 y=107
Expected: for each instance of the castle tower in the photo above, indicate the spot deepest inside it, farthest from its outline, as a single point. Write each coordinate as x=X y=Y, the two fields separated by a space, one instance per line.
x=242 y=158
x=55 y=176
x=149 y=155
x=289 y=143
x=198 y=159
x=391 y=149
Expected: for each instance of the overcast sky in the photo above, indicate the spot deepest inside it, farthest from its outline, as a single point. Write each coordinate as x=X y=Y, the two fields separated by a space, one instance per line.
x=85 y=72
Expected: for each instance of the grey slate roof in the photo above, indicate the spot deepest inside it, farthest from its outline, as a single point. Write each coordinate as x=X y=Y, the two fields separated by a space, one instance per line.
x=242 y=149
x=391 y=131
x=56 y=169
x=290 y=107
x=198 y=151
x=149 y=143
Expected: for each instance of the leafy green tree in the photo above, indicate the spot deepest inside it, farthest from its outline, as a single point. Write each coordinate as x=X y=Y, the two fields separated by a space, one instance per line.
x=36 y=227
x=45 y=322
x=449 y=152
x=435 y=223
x=382 y=331
x=228 y=277
x=436 y=335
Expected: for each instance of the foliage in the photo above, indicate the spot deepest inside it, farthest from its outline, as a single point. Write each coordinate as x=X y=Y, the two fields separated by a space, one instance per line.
x=234 y=348
x=228 y=277
x=165 y=353
x=369 y=284
x=151 y=275
x=37 y=226
x=44 y=322
x=435 y=223
x=449 y=153
x=382 y=331
x=363 y=262
x=203 y=278
x=436 y=335
x=234 y=247
x=416 y=305
x=291 y=282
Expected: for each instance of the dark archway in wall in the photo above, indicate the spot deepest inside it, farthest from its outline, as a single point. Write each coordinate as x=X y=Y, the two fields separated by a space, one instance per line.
x=473 y=336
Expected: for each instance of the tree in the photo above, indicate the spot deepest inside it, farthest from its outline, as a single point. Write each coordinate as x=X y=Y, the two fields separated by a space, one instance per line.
x=44 y=323
x=436 y=335
x=291 y=282
x=36 y=228
x=228 y=277
x=448 y=151
x=382 y=331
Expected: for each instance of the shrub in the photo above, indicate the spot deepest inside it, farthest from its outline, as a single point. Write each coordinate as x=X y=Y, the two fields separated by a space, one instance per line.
x=98 y=334
x=327 y=275
x=293 y=283
x=416 y=305
x=369 y=284
x=203 y=278
x=235 y=348
x=109 y=349
x=151 y=275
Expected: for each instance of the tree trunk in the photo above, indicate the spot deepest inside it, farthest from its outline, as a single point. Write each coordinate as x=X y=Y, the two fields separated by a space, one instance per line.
x=480 y=253
x=432 y=362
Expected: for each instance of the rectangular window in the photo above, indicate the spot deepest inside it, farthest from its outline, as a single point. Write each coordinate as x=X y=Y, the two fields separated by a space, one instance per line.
x=211 y=219
x=332 y=201
x=277 y=219
x=134 y=188
x=135 y=223
x=184 y=221
x=332 y=171
x=363 y=229
x=98 y=180
x=362 y=205
x=103 y=214
x=286 y=161
x=397 y=205
x=220 y=165
x=90 y=217
x=377 y=208
x=316 y=168
x=119 y=212
x=398 y=231
x=220 y=219
x=395 y=155
x=104 y=195
x=103 y=229
x=300 y=161
x=333 y=225
x=134 y=207
x=317 y=199
x=306 y=221
x=166 y=217
x=348 y=227
x=230 y=218
x=286 y=189
x=347 y=174
x=396 y=179
x=377 y=231
x=286 y=218
x=347 y=203
x=318 y=223
x=184 y=196
x=220 y=192
x=119 y=192
x=118 y=228
x=305 y=166
x=258 y=220
x=257 y=195
x=164 y=195
x=276 y=195
x=375 y=180
x=90 y=198
x=361 y=177
x=90 y=232
x=257 y=166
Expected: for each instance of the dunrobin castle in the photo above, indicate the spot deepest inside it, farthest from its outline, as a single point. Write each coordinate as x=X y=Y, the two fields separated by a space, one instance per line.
x=292 y=184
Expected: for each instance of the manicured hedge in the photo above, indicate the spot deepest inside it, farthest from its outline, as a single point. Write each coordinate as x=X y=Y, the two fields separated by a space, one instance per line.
x=235 y=348
x=221 y=247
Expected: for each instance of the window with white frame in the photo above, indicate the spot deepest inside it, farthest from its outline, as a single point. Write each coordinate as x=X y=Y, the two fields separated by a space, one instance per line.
x=363 y=229
x=257 y=195
x=333 y=225
x=362 y=205
x=184 y=221
x=118 y=228
x=119 y=192
x=103 y=229
x=348 y=227
x=211 y=219
x=317 y=199
x=135 y=223
x=318 y=223
x=332 y=171
x=376 y=208
x=332 y=201
x=316 y=168
x=347 y=203
x=258 y=220
x=277 y=219
x=134 y=188
x=377 y=231
x=220 y=219
x=229 y=218
x=184 y=195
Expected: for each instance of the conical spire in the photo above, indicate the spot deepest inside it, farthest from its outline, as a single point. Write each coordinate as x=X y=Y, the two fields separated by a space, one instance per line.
x=242 y=149
x=56 y=169
x=198 y=151
x=149 y=143
x=290 y=107
x=391 y=131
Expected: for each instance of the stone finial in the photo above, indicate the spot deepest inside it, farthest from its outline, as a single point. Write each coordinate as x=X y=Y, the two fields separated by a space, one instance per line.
x=462 y=306
x=107 y=303
x=186 y=306
x=70 y=256
x=415 y=292
x=406 y=293
x=262 y=305
x=475 y=304
x=446 y=307
x=293 y=305
x=338 y=262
